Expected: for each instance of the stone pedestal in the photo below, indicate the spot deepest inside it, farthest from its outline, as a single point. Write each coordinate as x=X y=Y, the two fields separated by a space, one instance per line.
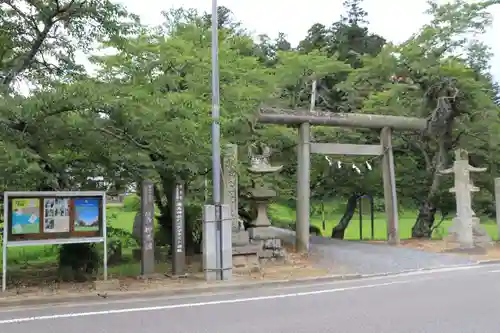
x=461 y=232
x=246 y=259
x=480 y=235
x=261 y=233
x=469 y=235
x=261 y=224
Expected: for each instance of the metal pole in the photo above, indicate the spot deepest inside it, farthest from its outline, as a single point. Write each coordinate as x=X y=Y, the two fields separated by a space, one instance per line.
x=5 y=240
x=497 y=204
x=216 y=162
x=105 y=238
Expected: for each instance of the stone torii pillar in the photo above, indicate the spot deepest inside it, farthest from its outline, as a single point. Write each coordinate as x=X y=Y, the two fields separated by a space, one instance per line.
x=465 y=229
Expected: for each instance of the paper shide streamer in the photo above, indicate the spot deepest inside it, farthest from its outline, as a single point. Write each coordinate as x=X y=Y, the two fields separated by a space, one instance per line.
x=358 y=170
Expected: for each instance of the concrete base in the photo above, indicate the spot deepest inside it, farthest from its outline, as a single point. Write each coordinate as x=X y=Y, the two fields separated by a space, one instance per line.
x=211 y=238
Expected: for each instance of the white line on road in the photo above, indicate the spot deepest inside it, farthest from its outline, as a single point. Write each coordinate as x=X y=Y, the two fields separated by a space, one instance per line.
x=199 y=304
x=424 y=271
x=228 y=294
x=495 y=271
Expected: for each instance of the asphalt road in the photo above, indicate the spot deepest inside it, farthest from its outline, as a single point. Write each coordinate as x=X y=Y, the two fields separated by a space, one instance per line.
x=341 y=257
x=450 y=300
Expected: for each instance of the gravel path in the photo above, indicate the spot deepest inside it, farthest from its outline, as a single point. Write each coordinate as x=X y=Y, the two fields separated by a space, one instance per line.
x=355 y=257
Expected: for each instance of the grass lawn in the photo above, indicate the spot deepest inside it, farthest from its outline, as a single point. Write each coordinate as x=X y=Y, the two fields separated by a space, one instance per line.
x=406 y=221
x=121 y=220
x=117 y=218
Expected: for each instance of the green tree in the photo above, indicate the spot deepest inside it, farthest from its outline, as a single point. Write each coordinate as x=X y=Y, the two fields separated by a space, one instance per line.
x=42 y=129
x=347 y=40
x=39 y=41
x=162 y=80
x=434 y=82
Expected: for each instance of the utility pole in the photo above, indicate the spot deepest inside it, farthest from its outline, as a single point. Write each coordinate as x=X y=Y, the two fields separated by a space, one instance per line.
x=216 y=161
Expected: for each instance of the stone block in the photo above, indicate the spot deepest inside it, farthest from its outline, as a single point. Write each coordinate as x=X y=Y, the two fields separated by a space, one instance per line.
x=245 y=264
x=266 y=253
x=107 y=285
x=240 y=238
x=261 y=233
x=253 y=263
x=248 y=249
x=272 y=244
x=239 y=261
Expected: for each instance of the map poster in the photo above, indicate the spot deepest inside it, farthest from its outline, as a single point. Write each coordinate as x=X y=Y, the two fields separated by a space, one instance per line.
x=86 y=214
x=56 y=215
x=25 y=216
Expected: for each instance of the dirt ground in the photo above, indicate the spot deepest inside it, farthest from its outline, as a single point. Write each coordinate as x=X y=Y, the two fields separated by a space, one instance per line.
x=42 y=285
x=443 y=246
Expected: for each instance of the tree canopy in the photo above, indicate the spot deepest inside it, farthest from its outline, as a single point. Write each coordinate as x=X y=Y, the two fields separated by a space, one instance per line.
x=144 y=112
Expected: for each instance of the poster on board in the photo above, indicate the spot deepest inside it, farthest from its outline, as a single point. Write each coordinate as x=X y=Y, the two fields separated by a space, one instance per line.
x=86 y=214
x=25 y=216
x=56 y=216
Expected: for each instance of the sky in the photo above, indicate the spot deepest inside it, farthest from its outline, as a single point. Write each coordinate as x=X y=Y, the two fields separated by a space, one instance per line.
x=395 y=20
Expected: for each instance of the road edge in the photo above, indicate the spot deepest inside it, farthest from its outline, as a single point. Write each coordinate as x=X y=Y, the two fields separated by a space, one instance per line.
x=215 y=287
x=223 y=286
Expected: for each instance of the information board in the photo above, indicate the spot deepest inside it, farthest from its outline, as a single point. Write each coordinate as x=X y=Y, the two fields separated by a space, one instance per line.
x=49 y=217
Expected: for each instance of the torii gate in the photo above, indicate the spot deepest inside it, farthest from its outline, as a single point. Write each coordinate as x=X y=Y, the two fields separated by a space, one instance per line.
x=305 y=118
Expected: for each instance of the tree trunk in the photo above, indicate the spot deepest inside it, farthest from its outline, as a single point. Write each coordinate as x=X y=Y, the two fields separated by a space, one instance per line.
x=427 y=210
x=165 y=220
x=163 y=201
x=425 y=220
x=339 y=230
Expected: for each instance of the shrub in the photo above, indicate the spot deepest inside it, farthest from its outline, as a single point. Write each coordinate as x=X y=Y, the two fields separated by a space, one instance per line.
x=131 y=203
x=78 y=261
